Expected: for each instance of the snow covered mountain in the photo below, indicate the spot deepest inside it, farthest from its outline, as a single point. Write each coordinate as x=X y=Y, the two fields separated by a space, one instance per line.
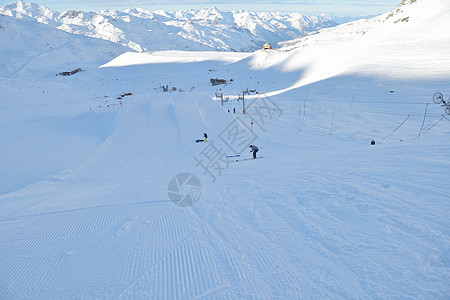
x=408 y=17
x=90 y=163
x=207 y=29
x=368 y=46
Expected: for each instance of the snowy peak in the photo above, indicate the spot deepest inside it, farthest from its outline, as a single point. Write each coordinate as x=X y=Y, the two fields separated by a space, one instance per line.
x=400 y=10
x=205 y=29
x=419 y=20
x=418 y=11
x=28 y=11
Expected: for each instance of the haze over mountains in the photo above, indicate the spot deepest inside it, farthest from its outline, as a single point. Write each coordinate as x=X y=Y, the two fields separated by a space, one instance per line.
x=206 y=29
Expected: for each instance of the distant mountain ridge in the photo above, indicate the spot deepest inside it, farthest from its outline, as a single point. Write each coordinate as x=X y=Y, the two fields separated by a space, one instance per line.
x=200 y=30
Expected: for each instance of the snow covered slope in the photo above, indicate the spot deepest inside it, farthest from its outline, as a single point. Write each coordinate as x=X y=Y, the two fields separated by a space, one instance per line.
x=208 y=29
x=365 y=47
x=86 y=161
x=36 y=50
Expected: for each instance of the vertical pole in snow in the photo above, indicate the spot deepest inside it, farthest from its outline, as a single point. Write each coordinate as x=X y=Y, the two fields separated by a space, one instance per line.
x=303 y=118
x=298 y=127
x=351 y=106
x=251 y=127
x=243 y=102
x=332 y=121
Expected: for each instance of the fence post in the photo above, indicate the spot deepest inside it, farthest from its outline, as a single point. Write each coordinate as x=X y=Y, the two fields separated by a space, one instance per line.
x=303 y=118
x=351 y=106
x=332 y=121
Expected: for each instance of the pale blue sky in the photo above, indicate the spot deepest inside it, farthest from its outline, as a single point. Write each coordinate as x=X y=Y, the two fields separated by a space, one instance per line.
x=332 y=7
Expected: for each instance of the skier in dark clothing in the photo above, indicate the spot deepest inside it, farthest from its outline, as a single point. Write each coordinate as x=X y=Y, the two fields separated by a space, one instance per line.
x=254 y=149
x=205 y=140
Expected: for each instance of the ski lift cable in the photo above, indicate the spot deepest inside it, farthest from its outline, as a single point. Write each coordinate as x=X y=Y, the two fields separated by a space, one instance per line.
x=387 y=112
x=356 y=101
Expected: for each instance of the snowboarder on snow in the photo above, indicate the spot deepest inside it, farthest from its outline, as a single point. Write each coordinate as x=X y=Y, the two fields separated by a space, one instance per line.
x=254 y=149
x=206 y=136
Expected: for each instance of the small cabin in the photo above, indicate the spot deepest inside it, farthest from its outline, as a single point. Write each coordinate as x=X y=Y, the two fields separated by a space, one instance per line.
x=217 y=81
x=267 y=46
x=70 y=73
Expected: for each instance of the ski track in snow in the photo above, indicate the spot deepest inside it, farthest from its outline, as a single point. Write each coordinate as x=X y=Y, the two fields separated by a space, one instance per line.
x=224 y=246
x=30 y=59
x=37 y=237
x=85 y=211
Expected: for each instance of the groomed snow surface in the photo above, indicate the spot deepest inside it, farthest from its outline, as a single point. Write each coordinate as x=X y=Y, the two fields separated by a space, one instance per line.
x=84 y=203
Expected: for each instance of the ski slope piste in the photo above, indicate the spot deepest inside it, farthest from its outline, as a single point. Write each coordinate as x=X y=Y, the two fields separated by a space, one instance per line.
x=105 y=194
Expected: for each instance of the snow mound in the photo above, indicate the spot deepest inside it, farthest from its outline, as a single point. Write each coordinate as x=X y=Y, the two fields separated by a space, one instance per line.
x=163 y=57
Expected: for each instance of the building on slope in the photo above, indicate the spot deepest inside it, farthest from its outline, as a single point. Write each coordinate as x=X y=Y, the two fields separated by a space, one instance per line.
x=267 y=46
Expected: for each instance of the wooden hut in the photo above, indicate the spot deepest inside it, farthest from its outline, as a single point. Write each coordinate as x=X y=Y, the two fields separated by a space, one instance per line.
x=267 y=46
